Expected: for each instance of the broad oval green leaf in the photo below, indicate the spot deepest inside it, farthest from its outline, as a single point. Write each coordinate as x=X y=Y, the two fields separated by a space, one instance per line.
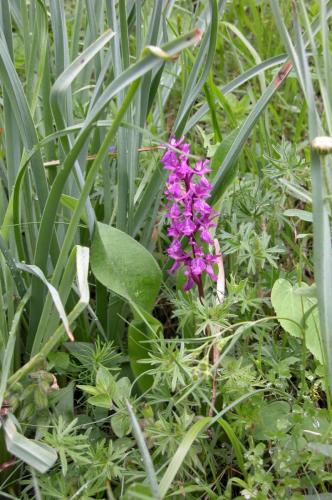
x=124 y=266
x=101 y=400
x=138 y=491
x=269 y=416
x=301 y=214
x=120 y=424
x=297 y=314
x=139 y=345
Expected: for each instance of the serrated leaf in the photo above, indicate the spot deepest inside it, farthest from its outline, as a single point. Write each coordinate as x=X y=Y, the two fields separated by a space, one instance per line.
x=120 y=424
x=89 y=389
x=123 y=390
x=105 y=382
x=101 y=400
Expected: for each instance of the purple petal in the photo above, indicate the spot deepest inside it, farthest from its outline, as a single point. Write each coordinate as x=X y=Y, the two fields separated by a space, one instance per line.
x=190 y=281
x=173 y=231
x=187 y=227
x=205 y=235
x=212 y=259
x=176 y=191
x=200 y=167
x=197 y=266
x=199 y=252
x=174 y=211
x=187 y=212
x=202 y=207
x=188 y=285
x=211 y=273
x=174 y=267
x=185 y=148
x=175 y=250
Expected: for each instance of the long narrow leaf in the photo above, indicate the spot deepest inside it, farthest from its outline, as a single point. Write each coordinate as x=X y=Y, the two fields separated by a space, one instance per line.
x=34 y=270
x=148 y=465
x=9 y=351
x=40 y=456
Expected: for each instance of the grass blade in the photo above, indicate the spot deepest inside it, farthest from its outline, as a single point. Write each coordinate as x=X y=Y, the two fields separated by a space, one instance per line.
x=19 y=105
x=34 y=270
x=181 y=453
x=190 y=437
x=9 y=351
x=194 y=85
x=229 y=164
x=234 y=84
x=148 y=465
x=39 y=456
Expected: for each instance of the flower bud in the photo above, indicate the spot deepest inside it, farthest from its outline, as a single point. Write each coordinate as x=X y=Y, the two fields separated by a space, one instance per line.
x=14 y=402
x=322 y=145
x=40 y=399
x=27 y=412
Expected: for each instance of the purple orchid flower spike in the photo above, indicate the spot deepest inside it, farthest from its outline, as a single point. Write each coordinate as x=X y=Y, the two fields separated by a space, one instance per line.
x=187 y=191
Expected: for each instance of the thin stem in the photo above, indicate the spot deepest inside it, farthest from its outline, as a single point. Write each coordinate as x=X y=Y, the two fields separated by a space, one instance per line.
x=200 y=289
x=52 y=342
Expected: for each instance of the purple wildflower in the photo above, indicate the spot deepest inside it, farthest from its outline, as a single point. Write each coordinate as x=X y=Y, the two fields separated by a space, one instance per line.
x=187 y=191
